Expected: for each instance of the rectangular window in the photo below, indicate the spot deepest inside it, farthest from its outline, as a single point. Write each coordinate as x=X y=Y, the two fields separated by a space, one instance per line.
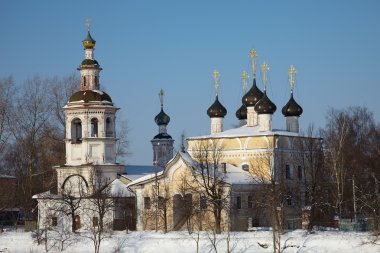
x=250 y=201
x=161 y=203
x=95 y=221
x=300 y=173
x=146 y=202
x=54 y=221
x=203 y=203
x=238 y=202
x=288 y=172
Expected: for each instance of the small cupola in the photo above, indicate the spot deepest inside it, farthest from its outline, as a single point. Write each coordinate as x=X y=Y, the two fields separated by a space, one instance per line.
x=265 y=107
x=216 y=111
x=292 y=110
x=253 y=95
x=88 y=42
x=241 y=113
x=162 y=120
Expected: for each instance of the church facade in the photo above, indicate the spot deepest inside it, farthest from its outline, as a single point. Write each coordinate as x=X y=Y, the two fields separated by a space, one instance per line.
x=226 y=180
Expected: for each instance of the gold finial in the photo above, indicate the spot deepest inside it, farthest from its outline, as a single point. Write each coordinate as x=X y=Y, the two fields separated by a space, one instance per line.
x=161 y=96
x=292 y=74
x=253 y=55
x=244 y=78
x=88 y=23
x=264 y=71
x=216 y=76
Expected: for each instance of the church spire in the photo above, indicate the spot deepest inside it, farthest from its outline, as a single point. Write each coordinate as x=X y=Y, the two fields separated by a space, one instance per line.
x=89 y=67
x=162 y=143
x=292 y=110
x=253 y=95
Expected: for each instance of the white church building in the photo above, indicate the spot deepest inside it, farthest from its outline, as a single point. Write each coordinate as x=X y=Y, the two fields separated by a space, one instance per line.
x=91 y=172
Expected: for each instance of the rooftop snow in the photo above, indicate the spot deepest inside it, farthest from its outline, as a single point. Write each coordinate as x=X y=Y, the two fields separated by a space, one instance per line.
x=120 y=189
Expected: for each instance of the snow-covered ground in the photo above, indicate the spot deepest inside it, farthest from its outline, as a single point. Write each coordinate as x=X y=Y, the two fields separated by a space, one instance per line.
x=178 y=242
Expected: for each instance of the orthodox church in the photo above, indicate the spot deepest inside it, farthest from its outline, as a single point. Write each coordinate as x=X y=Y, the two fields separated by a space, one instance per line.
x=214 y=180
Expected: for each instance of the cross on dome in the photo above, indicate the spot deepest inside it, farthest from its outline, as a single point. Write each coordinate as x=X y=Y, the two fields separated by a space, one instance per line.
x=216 y=76
x=244 y=78
x=264 y=71
x=161 y=96
x=253 y=55
x=292 y=73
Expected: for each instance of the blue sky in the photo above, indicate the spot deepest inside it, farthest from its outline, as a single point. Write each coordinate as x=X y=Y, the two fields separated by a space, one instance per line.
x=143 y=46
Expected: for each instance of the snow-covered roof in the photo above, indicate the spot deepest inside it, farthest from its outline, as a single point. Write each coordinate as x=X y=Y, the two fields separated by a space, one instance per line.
x=134 y=172
x=144 y=178
x=245 y=131
x=45 y=195
x=119 y=189
x=233 y=175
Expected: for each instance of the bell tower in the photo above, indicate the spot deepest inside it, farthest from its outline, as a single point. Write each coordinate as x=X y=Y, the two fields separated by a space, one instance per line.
x=90 y=136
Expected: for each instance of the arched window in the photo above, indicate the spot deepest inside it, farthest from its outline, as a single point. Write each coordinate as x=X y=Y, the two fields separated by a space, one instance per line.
x=109 y=128
x=76 y=131
x=84 y=81
x=94 y=127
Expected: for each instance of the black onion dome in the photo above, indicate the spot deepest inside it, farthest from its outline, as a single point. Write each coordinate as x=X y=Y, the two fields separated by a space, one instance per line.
x=216 y=110
x=265 y=105
x=253 y=95
x=292 y=108
x=162 y=119
x=90 y=96
x=241 y=113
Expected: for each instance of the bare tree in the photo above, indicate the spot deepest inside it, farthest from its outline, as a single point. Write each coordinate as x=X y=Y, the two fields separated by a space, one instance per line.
x=271 y=195
x=122 y=143
x=62 y=89
x=6 y=100
x=100 y=209
x=209 y=179
x=351 y=147
x=314 y=185
x=336 y=136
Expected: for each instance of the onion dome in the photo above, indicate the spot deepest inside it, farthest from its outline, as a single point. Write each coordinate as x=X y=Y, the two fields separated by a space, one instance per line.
x=162 y=118
x=292 y=108
x=87 y=96
x=265 y=105
x=253 y=95
x=88 y=42
x=216 y=110
x=241 y=113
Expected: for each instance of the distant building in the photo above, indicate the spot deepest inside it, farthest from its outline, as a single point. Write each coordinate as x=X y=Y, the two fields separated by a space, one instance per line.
x=9 y=211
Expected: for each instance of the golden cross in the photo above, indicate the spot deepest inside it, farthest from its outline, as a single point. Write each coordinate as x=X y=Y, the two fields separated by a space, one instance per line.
x=292 y=73
x=244 y=77
x=88 y=23
x=253 y=55
x=264 y=71
x=216 y=76
x=161 y=96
